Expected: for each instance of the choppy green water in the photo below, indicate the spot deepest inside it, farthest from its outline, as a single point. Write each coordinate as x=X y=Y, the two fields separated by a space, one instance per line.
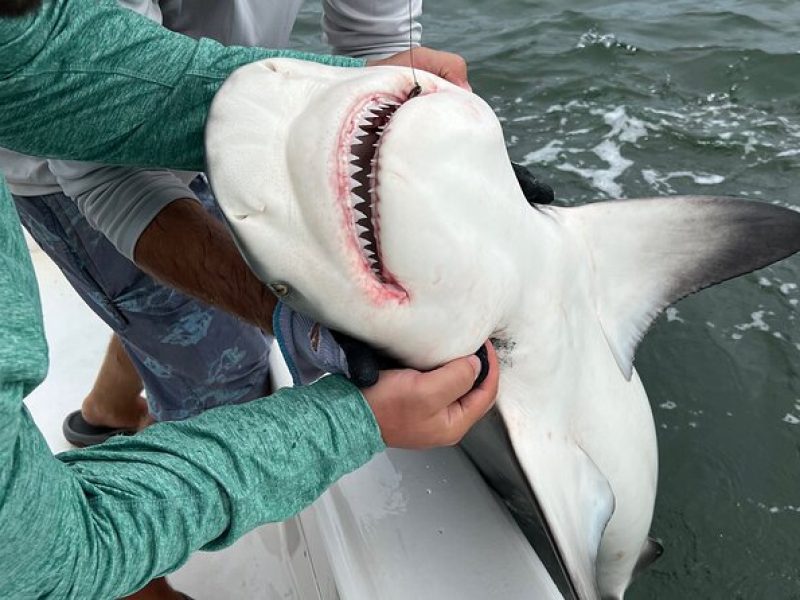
x=641 y=98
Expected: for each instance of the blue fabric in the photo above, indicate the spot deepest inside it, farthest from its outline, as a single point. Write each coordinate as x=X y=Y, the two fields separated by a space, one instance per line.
x=191 y=357
x=308 y=348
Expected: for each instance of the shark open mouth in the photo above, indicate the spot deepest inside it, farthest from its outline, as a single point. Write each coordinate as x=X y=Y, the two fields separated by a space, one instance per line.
x=362 y=145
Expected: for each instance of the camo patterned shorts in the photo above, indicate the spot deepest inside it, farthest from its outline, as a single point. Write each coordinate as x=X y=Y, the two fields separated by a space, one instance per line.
x=191 y=357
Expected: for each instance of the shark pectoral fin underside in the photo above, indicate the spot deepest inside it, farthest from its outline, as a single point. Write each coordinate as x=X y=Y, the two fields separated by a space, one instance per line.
x=648 y=253
x=577 y=503
x=563 y=514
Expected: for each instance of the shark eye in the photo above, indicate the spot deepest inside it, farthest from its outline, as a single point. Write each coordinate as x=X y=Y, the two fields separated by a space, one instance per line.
x=370 y=125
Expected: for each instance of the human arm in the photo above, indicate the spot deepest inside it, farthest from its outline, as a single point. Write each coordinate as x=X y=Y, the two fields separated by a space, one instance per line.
x=154 y=219
x=101 y=522
x=52 y=74
x=120 y=202
x=152 y=111
x=190 y=250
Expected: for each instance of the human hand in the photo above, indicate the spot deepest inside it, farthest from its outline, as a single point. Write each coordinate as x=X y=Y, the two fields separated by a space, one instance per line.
x=436 y=408
x=446 y=65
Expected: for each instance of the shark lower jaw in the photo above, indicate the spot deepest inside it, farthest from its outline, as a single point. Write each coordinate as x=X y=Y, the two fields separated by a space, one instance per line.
x=358 y=160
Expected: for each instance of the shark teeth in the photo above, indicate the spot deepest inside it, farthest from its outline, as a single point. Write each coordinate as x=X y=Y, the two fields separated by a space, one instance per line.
x=371 y=123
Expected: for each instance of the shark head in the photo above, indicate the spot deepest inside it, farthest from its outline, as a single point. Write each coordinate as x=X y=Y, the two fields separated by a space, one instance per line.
x=400 y=222
x=355 y=185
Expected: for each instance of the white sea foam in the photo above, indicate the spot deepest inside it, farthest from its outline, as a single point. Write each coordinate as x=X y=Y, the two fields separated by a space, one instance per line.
x=788 y=288
x=672 y=315
x=603 y=179
x=668 y=405
x=659 y=181
x=791 y=419
x=756 y=323
x=775 y=509
x=606 y=40
x=715 y=121
x=545 y=154
x=624 y=127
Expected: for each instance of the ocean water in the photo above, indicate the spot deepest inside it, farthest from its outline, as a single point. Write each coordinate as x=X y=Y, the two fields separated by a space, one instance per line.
x=641 y=98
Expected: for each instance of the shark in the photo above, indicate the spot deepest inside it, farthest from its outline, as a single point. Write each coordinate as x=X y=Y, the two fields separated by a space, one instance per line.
x=399 y=221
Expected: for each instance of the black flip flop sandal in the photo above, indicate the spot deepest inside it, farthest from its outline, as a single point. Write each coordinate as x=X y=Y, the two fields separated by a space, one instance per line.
x=81 y=434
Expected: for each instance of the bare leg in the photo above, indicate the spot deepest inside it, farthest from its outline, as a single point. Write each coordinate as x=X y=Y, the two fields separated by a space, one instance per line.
x=115 y=400
x=158 y=589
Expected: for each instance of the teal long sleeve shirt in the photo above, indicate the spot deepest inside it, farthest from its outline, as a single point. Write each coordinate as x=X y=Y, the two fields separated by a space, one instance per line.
x=85 y=80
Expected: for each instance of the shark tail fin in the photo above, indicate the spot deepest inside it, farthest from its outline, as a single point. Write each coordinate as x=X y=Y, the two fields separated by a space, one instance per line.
x=648 y=253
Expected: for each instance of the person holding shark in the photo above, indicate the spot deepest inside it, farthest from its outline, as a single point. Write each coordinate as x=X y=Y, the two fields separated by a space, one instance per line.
x=106 y=227
x=102 y=522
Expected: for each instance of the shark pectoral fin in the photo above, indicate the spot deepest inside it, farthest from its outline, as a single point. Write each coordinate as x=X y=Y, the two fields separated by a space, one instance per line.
x=576 y=502
x=558 y=496
x=577 y=506
x=648 y=253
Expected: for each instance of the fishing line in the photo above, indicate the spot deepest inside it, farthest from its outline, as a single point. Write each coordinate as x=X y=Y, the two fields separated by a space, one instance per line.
x=417 y=89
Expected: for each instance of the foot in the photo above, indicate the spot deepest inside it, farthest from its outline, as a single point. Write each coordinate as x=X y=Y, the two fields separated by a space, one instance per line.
x=131 y=415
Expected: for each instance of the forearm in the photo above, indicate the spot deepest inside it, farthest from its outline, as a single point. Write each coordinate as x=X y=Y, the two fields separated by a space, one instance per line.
x=188 y=249
x=104 y=521
x=132 y=92
x=120 y=202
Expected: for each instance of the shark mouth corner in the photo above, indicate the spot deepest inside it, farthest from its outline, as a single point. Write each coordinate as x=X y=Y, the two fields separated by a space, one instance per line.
x=361 y=147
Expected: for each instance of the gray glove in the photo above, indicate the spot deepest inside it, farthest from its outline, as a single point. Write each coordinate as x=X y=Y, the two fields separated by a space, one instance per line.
x=311 y=350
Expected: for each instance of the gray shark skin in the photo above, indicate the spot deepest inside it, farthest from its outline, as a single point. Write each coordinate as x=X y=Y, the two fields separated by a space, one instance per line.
x=400 y=222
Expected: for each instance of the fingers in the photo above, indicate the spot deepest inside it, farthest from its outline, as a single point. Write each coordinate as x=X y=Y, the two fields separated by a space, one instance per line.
x=437 y=408
x=471 y=408
x=443 y=386
x=446 y=65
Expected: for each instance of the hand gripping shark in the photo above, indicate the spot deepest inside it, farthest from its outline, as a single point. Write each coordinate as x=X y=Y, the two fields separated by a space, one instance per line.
x=401 y=223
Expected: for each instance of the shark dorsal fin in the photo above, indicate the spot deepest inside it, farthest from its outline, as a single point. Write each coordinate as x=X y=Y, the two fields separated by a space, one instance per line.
x=648 y=253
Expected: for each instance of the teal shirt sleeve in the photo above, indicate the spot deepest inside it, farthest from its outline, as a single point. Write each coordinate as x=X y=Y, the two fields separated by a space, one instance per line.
x=86 y=80
x=102 y=522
